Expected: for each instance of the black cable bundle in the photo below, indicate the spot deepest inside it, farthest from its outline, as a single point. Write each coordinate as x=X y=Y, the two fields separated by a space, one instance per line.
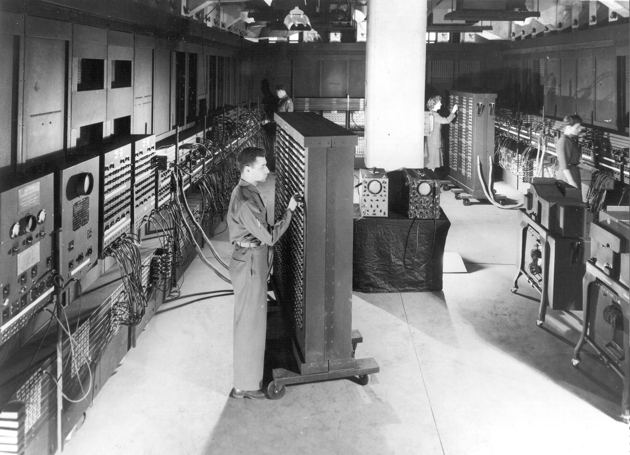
x=596 y=194
x=126 y=252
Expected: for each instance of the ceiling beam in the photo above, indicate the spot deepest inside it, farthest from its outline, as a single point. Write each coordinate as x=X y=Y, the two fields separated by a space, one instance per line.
x=458 y=28
x=490 y=15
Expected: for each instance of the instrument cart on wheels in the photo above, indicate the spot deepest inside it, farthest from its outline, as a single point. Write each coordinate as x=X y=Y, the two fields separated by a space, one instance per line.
x=312 y=269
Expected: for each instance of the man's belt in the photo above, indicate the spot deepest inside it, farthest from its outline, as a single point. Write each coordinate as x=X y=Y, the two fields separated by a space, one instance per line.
x=247 y=244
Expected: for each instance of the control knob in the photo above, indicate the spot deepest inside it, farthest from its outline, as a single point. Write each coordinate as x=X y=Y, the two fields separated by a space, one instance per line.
x=15 y=230
x=41 y=216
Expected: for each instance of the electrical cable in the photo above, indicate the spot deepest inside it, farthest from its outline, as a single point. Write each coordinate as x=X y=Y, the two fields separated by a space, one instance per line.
x=87 y=362
x=193 y=301
x=200 y=252
x=484 y=186
x=203 y=234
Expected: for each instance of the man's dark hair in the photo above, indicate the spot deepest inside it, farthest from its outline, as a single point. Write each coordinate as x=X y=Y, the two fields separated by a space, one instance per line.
x=281 y=87
x=248 y=156
x=571 y=120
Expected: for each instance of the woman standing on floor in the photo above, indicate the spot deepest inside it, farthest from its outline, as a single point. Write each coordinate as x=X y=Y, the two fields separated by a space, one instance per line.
x=433 y=151
x=569 y=153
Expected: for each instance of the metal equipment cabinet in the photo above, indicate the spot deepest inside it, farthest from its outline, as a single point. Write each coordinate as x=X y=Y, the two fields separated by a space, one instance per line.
x=313 y=259
x=553 y=245
x=471 y=135
x=606 y=296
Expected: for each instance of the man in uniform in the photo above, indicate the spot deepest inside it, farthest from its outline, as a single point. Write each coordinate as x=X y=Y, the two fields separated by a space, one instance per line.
x=286 y=103
x=251 y=236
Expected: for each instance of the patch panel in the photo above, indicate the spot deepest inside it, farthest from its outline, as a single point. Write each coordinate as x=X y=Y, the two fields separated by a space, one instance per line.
x=144 y=179
x=116 y=194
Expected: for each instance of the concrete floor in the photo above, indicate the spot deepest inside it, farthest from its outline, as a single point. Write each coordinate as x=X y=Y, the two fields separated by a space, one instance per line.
x=464 y=371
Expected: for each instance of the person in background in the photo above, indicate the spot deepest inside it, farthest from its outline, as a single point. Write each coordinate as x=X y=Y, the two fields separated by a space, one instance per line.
x=433 y=151
x=569 y=153
x=251 y=236
x=269 y=100
x=286 y=103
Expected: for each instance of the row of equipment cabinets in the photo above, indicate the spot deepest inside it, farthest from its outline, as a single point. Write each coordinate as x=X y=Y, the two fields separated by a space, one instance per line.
x=91 y=245
x=58 y=224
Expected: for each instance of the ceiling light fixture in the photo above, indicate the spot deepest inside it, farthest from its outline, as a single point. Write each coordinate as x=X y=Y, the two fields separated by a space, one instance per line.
x=297 y=20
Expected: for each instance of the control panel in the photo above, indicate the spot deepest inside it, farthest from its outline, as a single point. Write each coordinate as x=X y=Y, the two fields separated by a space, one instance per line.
x=144 y=179
x=77 y=195
x=26 y=251
x=116 y=179
x=165 y=158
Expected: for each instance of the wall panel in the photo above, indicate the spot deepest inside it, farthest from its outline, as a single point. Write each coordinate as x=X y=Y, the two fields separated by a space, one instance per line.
x=9 y=98
x=605 y=87
x=306 y=77
x=44 y=97
x=143 y=91
x=334 y=78
x=162 y=91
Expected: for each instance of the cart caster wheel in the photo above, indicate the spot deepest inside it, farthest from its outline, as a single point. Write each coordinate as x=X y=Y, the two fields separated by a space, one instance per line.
x=275 y=393
x=466 y=202
x=364 y=379
x=457 y=196
x=514 y=289
x=575 y=361
x=539 y=323
x=501 y=201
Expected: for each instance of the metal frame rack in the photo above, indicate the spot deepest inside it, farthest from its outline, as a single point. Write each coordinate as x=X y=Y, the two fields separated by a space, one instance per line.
x=313 y=260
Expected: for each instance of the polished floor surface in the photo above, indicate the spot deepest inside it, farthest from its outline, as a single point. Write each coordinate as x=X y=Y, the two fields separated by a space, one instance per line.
x=464 y=371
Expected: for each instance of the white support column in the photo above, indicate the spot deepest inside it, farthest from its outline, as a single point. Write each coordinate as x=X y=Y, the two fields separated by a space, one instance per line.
x=395 y=79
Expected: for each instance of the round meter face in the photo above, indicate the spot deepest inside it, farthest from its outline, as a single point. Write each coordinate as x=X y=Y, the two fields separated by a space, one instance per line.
x=424 y=189
x=375 y=187
x=85 y=184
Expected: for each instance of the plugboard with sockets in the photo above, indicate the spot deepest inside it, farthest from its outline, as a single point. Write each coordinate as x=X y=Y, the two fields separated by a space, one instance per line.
x=116 y=179
x=313 y=259
x=471 y=136
x=144 y=179
x=77 y=217
x=26 y=242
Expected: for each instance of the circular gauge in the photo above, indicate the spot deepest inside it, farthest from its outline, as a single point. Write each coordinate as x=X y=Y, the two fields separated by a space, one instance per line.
x=28 y=223
x=424 y=188
x=41 y=216
x=15 y=230
x=84 y=184
x=375 y=187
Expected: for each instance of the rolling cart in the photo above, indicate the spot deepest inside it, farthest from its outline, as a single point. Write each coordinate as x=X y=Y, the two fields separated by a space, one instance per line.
x=471 y=135
x=312 y=269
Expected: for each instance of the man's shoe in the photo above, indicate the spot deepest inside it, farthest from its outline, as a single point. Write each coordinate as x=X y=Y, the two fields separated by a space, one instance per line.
x=255 y=394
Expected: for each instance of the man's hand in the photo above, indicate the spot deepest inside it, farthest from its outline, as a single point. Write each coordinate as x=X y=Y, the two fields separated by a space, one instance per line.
x=454 y=109
x=293 y=202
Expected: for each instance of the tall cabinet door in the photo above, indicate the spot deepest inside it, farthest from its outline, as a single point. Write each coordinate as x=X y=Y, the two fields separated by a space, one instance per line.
x=44 y=97
x=585 y=85
x=10 y=44
x=162 y=91
x=605 y=87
